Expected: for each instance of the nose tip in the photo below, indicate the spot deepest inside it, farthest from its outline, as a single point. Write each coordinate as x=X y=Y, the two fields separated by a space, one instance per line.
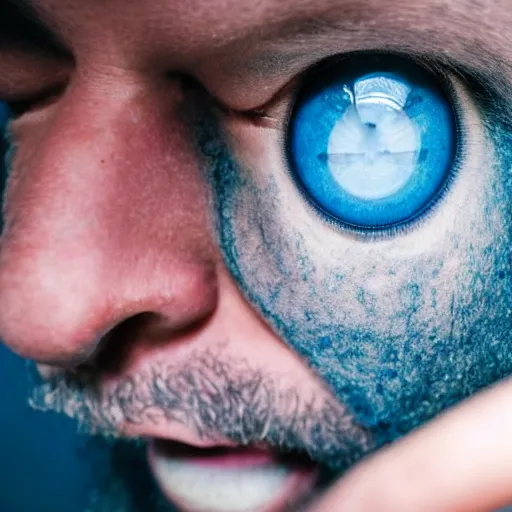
x=60 y=316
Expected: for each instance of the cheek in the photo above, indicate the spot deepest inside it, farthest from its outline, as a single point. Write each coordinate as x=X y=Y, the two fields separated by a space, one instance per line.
x=400 y=328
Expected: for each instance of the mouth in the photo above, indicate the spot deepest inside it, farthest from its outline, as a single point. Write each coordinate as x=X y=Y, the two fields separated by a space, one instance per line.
x=230 y=479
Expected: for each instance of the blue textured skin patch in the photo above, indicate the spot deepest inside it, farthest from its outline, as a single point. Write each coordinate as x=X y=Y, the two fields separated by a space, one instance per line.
x=398 y=337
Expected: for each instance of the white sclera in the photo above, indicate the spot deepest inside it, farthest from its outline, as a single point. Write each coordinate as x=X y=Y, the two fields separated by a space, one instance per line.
x=373 y=149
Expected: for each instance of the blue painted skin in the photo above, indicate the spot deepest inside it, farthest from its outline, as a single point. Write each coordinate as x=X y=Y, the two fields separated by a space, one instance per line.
x=335 y=93
x=401 y=326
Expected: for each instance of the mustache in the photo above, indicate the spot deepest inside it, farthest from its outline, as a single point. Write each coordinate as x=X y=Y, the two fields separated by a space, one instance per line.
x=216 y=397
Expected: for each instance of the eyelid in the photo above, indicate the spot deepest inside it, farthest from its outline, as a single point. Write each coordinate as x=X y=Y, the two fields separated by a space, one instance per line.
x=276 y=112
x=21 y=104
x=273 y=112
x=487 y=96
x=24 y=74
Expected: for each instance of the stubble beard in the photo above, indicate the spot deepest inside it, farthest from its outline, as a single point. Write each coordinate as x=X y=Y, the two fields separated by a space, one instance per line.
x=218 y=398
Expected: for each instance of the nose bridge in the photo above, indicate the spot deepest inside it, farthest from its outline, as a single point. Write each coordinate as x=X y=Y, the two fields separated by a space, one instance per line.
x=107 y=217
x=101 y=152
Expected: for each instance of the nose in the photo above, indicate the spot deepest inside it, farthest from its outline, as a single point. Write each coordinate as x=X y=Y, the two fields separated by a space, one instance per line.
x=106 y=219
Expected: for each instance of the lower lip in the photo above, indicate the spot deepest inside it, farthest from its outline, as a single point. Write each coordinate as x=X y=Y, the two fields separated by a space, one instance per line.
x=228 y=479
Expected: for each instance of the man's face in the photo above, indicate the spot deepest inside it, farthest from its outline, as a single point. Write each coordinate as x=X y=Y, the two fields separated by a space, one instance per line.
x=176 y=281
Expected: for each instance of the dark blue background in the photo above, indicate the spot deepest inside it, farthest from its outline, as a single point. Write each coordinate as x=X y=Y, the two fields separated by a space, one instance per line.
x=44 y=464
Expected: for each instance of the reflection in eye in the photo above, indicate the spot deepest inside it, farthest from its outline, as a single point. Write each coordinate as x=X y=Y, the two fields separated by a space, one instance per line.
x=373 y=140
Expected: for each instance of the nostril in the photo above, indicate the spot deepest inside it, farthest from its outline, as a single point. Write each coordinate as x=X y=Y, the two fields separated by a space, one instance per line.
x=142 y=332
x=114 y=348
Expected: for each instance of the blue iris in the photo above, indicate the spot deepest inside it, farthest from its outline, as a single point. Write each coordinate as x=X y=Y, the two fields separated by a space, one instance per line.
x=373 y=140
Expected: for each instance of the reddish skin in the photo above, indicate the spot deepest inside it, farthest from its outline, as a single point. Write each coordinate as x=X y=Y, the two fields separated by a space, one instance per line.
x=81 y=182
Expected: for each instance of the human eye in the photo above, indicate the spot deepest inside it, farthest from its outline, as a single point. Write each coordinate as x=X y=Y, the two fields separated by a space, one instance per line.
x=436 y=144
x=373 y=140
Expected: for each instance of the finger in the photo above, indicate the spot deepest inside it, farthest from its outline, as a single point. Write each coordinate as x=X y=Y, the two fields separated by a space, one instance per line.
x=461 y=462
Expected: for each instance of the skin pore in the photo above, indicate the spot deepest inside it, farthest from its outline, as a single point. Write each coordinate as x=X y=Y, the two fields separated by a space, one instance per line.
x=156 y=244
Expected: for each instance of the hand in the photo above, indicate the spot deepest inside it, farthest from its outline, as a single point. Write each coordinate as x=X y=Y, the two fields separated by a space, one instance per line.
x=460 y=462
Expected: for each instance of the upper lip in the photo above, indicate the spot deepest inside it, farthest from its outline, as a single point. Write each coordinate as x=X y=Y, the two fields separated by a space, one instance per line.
x=175 y=432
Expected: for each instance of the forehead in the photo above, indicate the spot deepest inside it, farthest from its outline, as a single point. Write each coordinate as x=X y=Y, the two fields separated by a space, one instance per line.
x=194 y=26
x=246 y=49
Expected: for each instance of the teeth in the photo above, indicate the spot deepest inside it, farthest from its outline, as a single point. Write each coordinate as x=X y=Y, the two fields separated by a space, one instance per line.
x=209 y=489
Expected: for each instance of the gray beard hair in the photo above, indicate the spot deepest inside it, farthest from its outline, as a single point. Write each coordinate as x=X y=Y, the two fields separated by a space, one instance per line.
x=217 y=398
